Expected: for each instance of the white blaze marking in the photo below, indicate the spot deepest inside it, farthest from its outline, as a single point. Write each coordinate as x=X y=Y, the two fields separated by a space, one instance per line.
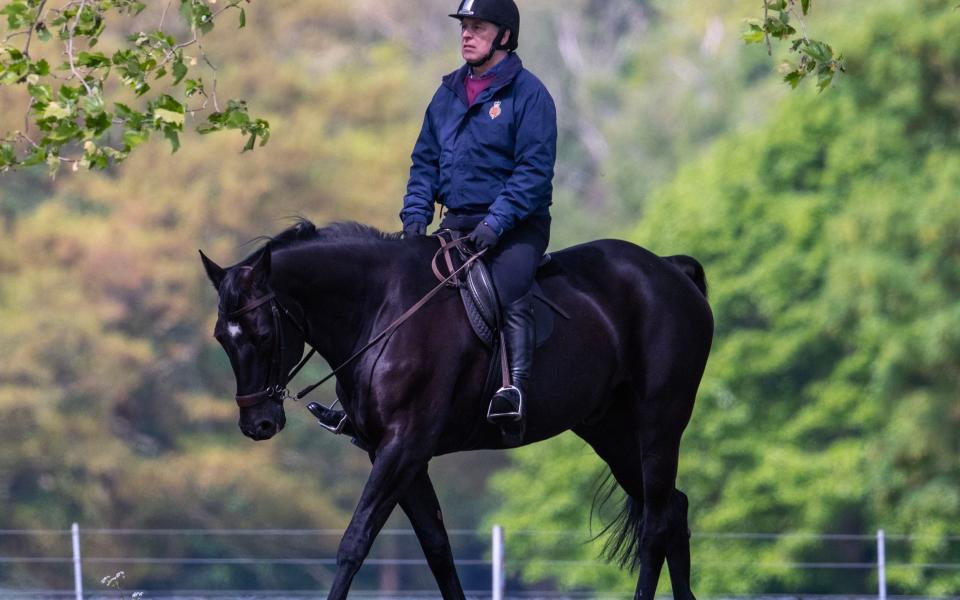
x=233 y=329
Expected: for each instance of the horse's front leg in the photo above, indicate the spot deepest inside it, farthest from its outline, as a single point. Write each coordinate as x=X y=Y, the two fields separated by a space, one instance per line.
x=423 y=509
x=394 y=468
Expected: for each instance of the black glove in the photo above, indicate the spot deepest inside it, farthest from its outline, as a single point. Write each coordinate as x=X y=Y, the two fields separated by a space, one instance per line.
x=414 y=229
x=483 y=236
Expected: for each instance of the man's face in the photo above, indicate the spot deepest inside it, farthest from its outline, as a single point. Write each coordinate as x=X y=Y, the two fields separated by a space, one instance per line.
x=476 y=37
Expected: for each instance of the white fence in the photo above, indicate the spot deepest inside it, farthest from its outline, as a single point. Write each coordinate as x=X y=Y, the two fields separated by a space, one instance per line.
x=490 y=559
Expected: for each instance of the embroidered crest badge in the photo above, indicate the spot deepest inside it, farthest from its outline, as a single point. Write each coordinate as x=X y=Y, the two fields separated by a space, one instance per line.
x=495 y=110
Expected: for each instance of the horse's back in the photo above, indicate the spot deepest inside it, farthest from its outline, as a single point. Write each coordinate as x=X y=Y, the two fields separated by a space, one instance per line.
x=616 y=271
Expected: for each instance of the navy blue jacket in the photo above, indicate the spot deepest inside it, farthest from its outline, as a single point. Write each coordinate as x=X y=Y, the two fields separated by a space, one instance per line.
x=495 y=156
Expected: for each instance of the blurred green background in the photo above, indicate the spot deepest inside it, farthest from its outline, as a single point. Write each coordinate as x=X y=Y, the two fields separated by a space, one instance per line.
x=828 y=224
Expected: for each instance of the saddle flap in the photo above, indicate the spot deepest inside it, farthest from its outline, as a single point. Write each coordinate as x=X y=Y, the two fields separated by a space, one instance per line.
x=480 y=300
x=483 y=308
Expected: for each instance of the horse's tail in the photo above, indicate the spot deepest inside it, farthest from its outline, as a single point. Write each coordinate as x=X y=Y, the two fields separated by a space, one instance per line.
x=623 y=544
x=692 y=269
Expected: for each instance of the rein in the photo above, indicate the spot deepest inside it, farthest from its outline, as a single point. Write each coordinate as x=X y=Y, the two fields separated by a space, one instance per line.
x=278 y=392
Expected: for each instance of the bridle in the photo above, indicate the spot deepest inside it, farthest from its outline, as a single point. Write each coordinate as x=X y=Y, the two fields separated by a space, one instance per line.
x=277 y=382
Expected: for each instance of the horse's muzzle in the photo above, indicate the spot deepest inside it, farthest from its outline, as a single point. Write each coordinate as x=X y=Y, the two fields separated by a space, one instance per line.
x=263 y=428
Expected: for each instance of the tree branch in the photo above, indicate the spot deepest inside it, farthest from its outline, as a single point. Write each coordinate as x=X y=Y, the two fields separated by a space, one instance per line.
x=33 y=25
x=70 y=59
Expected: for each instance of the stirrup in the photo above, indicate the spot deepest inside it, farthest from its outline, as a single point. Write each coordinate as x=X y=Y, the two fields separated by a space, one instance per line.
x=508 y=416
x=320 y=411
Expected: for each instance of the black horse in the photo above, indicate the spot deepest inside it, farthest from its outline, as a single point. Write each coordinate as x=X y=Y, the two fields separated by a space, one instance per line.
x=622 y=374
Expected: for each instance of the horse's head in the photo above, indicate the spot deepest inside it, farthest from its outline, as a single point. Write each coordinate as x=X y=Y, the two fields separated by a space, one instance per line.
x=262 y=340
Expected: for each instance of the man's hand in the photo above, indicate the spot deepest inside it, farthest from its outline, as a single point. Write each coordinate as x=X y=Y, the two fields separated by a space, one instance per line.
x=414 y=229
x=483 y=237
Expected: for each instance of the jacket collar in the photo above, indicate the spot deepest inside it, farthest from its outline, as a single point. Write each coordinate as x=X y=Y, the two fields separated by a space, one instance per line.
x=506 y=72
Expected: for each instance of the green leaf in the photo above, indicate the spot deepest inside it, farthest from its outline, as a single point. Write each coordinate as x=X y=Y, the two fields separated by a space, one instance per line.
x=169 y=102
x=171 y=134
x=65 y=131
x=794 y=78
x=56 y=111
x=805 y=6
x=93 y=60
x=98 y=123
x=824 y=78
x=43 y=34
x=778 y=28
x=754 y=35
x=18 y=14
x=41 y=68
x=169 y=116
x=133 y=138
x=42 y=93
x=93 y=105
x=243 y=18
x=8 y=155
x=819 y=51
x=179 y=69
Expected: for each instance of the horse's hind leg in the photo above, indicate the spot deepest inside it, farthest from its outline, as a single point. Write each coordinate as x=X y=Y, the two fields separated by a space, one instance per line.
x=657 y=516
x=678 y=551
x=420 y=504
x=662 y=411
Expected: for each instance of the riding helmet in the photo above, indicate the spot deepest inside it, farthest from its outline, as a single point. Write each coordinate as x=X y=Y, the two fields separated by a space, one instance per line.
x=503 y=13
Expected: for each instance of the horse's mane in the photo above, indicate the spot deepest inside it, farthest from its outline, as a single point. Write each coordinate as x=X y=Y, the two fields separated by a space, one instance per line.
x=303 y=231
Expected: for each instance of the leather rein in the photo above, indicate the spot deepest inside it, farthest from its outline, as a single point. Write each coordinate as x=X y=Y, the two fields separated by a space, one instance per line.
x=277 y=381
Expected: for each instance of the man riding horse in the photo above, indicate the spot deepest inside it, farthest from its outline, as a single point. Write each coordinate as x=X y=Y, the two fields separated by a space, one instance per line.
x=486 y=152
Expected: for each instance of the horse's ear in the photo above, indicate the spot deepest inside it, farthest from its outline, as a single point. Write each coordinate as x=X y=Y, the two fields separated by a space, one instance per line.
x=260 y=269
x=214 y=271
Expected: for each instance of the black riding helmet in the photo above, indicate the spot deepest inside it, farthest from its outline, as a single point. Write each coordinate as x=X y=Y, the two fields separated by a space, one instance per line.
x=503 y=13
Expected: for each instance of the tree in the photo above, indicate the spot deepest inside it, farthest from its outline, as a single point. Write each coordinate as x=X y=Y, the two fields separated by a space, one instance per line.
x=829 y=403
x=93 y=106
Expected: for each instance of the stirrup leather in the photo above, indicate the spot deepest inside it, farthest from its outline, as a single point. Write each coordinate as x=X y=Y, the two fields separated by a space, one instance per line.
x=513 y=415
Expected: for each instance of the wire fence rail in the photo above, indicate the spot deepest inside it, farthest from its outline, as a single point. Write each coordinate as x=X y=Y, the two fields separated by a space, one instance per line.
x=64 y=550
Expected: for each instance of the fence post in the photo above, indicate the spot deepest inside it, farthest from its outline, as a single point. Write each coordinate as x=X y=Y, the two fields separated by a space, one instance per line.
x=882 y=564
x=77 y=572
x=498 y=576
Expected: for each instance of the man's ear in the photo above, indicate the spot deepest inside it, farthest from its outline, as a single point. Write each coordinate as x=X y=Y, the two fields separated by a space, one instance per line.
x=506 y=37
x=214 y=271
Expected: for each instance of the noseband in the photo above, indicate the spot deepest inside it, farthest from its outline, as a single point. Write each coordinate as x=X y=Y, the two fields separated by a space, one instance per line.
x=277 y=381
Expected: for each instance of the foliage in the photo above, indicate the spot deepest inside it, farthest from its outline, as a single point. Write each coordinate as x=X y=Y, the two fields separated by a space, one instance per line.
x=114 y=401
x=829 y=238
x=815 y=57
x=69 y=117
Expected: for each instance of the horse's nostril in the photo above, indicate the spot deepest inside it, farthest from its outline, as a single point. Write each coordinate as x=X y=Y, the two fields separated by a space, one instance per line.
x=266 y=427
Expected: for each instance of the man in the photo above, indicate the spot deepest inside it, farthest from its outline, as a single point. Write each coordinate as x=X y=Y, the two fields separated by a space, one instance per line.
x=486 y=152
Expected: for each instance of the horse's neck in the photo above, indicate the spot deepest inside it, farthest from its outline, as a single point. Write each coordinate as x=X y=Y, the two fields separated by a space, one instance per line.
x=338 y=287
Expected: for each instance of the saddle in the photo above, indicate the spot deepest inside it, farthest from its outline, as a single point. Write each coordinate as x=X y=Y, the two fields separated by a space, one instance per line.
x=479 y=295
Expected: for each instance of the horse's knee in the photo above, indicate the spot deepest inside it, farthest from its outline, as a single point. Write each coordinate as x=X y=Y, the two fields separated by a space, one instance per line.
x=350 y=555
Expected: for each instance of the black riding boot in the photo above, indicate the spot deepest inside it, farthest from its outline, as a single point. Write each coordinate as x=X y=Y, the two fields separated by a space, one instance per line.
x=520 y=336
x=331 y=420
